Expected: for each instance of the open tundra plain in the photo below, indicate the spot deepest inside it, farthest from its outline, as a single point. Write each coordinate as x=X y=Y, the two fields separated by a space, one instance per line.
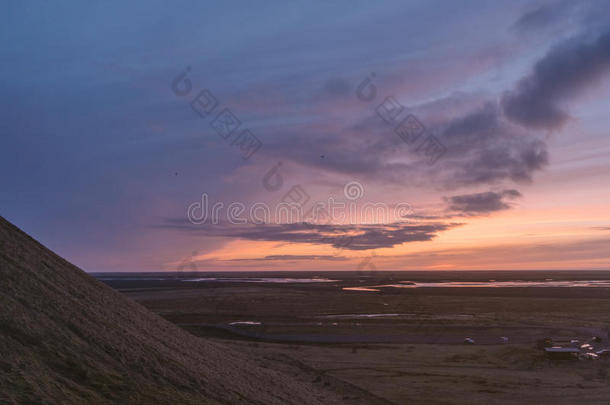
x=400 y=337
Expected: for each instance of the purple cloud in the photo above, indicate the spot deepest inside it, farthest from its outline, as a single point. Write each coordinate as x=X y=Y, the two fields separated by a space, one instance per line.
x=481 y=203
x=565 y=71
x=340 y=236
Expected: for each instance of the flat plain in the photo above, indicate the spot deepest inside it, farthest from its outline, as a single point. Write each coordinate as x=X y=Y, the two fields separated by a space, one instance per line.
x=399 y=344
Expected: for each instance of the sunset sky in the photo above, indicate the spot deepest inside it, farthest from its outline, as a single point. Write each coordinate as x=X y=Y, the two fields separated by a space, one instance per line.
x=104 y=145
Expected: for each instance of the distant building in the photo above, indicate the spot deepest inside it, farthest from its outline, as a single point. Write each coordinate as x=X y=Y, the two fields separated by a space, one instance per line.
x=589 y=356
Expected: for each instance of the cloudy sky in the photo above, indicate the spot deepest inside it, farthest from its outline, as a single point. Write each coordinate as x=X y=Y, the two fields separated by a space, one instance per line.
x=447 y=135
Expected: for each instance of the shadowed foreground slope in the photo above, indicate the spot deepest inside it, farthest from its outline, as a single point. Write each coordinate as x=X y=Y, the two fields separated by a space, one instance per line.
x=67 y=338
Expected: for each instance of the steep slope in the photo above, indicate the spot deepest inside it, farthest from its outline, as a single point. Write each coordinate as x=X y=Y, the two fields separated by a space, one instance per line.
x=67 y=338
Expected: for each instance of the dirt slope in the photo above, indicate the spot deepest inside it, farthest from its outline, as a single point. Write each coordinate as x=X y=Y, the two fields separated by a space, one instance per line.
x=67 y=338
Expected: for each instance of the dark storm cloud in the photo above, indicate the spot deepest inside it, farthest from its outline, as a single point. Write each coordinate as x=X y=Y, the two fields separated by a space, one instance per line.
x=475 y=127
x=469 y=205
x=566 y=70
x=337 y=88
x=352 y=237
x=481 y=203
x=538 y=18
x=488 y=141
x=431 y=217
x=483 y=148
x=486 y=144
x=505 y=159
x=291 y=257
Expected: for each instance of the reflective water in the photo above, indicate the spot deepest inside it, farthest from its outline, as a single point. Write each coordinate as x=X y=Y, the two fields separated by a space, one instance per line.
x=488 y=284
x=245 y=323
x=260 y=280
x=356 y=316
x=360 y=289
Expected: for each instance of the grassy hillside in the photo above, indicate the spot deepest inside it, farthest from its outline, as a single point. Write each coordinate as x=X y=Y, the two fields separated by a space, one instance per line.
x=67 y=338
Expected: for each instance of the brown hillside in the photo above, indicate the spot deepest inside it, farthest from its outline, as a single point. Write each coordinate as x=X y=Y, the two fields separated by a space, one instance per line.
x=67 y=338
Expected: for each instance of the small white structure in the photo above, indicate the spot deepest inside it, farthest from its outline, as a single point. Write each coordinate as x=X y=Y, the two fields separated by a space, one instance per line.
x=469 y=341
x=603 y=352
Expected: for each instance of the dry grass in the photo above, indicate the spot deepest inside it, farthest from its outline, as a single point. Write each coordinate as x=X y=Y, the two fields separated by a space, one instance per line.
x=67 y=338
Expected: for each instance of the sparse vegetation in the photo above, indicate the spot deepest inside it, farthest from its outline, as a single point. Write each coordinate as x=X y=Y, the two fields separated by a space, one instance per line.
x=67 y=338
